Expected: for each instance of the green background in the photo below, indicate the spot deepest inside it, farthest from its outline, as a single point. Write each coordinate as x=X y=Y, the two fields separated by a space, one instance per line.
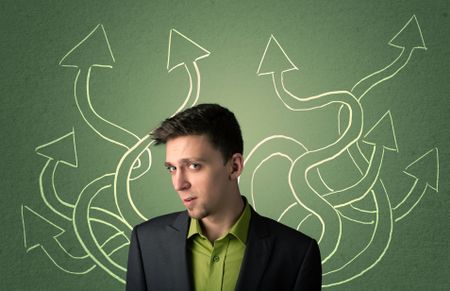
x=333 y=43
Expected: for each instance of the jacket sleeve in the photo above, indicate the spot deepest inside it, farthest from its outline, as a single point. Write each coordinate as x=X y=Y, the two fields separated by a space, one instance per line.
x=135 y=271
x=309 y=276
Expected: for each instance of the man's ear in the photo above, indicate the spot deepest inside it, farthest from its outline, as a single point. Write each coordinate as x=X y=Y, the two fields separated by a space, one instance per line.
x=237 y=165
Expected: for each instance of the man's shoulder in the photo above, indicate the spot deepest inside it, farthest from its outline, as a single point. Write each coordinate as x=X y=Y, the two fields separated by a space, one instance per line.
x=160 y=222
x=283 y=232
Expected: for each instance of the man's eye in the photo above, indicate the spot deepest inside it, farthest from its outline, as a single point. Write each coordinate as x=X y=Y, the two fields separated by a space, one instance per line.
x=194 y=166
x=171 y=169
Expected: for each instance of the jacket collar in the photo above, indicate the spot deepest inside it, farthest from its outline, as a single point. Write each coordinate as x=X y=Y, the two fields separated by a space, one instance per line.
x=181 y=222
x=177 y=237
x=257 y=254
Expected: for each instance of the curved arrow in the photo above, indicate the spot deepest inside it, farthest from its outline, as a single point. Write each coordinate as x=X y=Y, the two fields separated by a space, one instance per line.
x=186 y=54
x=382 y=137
x=425 y=171
x=56 y=153
x=84 y=232
x=381 y=217
x=298 y=174
x=84 y=56
x=40 y=232
x=408 y=39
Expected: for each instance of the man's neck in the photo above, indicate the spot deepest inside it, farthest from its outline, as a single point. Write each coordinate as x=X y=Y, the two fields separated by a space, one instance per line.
x=217 y=226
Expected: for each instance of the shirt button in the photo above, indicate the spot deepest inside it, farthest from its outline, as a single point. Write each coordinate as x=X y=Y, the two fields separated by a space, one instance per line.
x=216 y=259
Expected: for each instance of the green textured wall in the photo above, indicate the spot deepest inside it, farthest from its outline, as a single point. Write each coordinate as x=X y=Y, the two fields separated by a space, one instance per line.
x=344 y=107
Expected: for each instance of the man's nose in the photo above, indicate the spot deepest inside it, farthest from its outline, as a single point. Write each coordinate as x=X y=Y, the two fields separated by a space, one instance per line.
x=180 y=181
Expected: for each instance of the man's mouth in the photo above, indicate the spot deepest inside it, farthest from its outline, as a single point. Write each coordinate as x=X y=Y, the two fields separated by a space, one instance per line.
x=189 y=199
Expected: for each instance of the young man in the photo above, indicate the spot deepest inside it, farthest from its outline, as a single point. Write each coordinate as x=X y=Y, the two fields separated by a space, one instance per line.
x=219 y=242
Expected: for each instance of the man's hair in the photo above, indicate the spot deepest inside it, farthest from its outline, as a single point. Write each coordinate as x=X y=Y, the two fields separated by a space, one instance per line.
x=216 y=122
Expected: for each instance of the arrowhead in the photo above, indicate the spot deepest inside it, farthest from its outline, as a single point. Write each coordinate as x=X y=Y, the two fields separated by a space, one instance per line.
x=410 y=36
x=383 y=133
x=93 y=50
x=274 y=59
x=62 y=149
x=37 y=229
x=426 y=168
x=183 y=50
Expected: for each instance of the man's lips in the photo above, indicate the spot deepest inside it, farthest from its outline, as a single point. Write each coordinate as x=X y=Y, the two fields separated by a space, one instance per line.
x=189 y=200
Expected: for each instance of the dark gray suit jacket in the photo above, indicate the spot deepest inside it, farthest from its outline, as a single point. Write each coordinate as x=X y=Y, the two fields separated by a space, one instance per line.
x=276 y=257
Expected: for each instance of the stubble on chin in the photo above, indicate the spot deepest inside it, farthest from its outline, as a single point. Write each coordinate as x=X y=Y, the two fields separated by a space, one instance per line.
x=197 y=214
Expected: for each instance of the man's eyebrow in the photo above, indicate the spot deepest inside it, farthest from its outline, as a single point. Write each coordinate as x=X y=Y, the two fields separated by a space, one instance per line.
x=187 y=161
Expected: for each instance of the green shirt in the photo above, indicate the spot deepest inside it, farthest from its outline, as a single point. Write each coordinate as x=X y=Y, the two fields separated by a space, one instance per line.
x=216 y=266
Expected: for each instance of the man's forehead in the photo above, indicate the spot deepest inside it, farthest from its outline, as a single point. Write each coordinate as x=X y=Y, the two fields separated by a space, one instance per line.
x=190 y=137
x=190 y=147
x=188 y=143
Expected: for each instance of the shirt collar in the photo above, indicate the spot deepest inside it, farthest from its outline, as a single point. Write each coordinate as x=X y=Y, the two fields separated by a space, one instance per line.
x=194 y=228
x=238 y=230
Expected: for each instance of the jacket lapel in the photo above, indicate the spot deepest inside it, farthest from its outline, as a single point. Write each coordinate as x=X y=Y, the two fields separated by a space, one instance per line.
x=257 y=254
x=177 y=232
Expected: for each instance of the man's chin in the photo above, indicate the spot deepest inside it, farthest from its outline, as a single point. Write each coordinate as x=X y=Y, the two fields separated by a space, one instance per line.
x=196 y=214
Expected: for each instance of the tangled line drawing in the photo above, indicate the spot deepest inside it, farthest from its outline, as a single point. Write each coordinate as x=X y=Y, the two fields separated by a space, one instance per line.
x=313 y=203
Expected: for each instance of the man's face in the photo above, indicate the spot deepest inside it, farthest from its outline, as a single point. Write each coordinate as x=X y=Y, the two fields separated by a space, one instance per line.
x=198 y=174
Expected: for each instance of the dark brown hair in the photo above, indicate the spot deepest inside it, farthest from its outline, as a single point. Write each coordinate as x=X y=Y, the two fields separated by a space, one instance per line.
x=216 y=122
